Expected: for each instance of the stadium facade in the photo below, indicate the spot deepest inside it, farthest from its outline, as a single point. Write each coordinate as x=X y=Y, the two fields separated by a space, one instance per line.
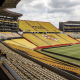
x=70 y=26
x=9 y=19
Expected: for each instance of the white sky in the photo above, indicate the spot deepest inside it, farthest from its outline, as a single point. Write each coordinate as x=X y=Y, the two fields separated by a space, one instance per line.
x=53 y=11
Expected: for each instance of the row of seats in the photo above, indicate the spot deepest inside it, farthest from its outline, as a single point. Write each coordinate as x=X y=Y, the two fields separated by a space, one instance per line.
x=25 y=27
x=9 y=34
x=16 y=70
x=71 y=40
x=46 y=39
x=49 y=60
x=8 y=24
x=37 y=70
x=49 y=27
x=61 y=40
x=39 y=40
x=35 y=40
x=8 y=21
x=39 y=27
x=31 y=26
x=49 y=39
x=73 y=34
x=21 y=42
x=28 y=69
x=78 y=39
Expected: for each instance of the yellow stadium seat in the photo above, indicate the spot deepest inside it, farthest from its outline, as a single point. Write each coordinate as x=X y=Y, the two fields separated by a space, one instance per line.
x=71 y=40
x=48 y=40
x=35 y=40
x=49 y=26
x=62 y=41
x=25 y=27
x=36 y=26
x=21 y=42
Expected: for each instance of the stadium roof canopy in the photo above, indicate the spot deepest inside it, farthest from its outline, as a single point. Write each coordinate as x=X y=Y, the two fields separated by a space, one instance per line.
x=9 y=4
x=75 y=22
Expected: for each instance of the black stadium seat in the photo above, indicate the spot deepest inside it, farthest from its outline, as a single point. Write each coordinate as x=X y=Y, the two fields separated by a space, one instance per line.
x=1 y=2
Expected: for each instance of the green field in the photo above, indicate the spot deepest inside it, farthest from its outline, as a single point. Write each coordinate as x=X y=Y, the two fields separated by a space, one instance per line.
x=73 y=51
x=61 y=57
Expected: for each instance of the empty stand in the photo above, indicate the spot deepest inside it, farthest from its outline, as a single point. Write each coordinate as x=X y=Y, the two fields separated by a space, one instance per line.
x=28 y=69
x=59 y=39
x=16 y=34
x=9 y=34
x=21 y=42
x=78 y=39
x=36 y=26
x=73 y=34
x=35 y=40
x=49 y=26
x=25 y=27
x=68 y=38
x=50 y=39
x=47 y=39
x=49 y=60
x=24 y=42
x=32 y=26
